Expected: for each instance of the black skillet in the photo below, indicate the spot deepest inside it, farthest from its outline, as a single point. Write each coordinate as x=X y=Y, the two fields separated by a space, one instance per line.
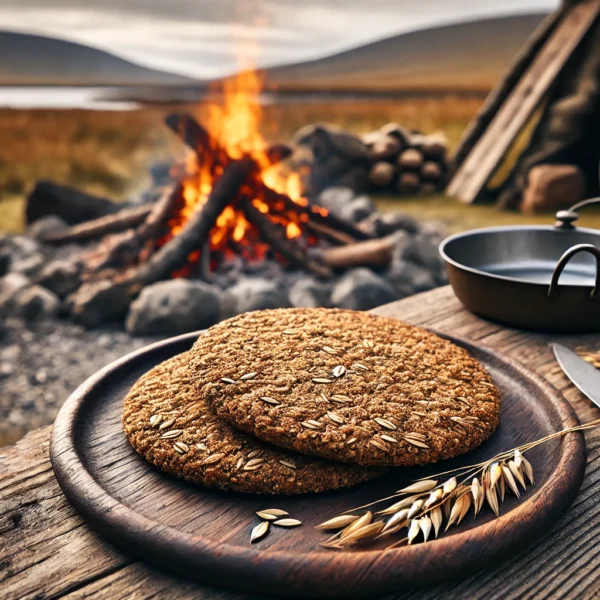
x=533 y=277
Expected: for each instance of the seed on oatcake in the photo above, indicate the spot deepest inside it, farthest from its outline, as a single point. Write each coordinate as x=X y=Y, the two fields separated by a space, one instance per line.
x=406 y=384
x=212 y=452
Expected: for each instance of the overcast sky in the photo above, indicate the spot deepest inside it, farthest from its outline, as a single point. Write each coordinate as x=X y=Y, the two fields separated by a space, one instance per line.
x=202 y=37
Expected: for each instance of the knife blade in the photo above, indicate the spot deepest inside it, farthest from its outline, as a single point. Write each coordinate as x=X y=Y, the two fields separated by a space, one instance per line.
x=583 y=375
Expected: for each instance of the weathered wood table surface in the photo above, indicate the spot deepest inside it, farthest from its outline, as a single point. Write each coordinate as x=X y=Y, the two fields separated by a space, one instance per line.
x=47 y=551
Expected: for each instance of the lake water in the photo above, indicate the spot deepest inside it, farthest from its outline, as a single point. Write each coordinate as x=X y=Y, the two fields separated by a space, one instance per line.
x=60 y=97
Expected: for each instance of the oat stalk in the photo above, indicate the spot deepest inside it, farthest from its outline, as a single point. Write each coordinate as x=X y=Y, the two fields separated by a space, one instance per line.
x=430 y=506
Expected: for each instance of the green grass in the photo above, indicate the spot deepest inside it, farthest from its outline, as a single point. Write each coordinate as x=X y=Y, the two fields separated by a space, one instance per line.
x=460 y=217
x=11 y=214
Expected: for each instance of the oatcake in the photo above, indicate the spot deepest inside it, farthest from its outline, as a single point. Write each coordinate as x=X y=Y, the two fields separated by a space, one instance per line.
x=172 y=428
x=346 y=385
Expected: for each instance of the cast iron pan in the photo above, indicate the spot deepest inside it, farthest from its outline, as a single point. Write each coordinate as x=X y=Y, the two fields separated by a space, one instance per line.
x=542 y=277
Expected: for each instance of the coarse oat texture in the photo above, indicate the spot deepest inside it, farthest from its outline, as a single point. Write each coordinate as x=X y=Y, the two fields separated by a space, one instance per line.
x=346 y=386
x=171 y=426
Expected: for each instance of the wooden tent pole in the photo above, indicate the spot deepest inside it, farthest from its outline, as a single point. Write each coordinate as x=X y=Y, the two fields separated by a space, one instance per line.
x=477 y=167
x=500 y=93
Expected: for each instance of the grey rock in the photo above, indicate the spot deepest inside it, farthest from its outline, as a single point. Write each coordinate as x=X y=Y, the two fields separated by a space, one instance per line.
x=308 y=293
x=99 y=302
x=23 y=247
x=408 y=278
x=60 y=277
x=10 y=285
x=36 y=302
x=323 y=139
x=386 y=223
x=173 y=307
x=29 y=266
x=46 y=225
x=358 y=209
x=356 y=178
x=258 y=294
x=7 y=369
x=335 y=198
x=361 y=289
x=424 y=252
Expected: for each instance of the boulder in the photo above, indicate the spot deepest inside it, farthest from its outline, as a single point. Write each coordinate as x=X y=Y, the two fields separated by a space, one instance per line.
x=10 y=285
x=361 y=289
x=424 y=252
x=384 y=224
x=308 y=293
x=552 y=187
x=358 y=209
x=335 y=198
x=99 y=302
x=29 y=266
x=22 y=247
x=173 y=307
x=258 y=294
x=46 y=225
x=36 y=302
x=406 y=278
x=60 y=277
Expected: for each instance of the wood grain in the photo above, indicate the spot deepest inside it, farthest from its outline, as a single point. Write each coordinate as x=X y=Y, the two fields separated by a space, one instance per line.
x=203 y=534
x=47 y=552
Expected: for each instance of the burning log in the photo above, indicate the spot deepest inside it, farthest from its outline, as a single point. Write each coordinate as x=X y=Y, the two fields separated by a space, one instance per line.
x=69 y=204
x=333 y=235
x=274 y=235
x=371 y=253
x=113 y=223
x=314 y=213
x=126 y=247
x=198 y=138
x=176 y=251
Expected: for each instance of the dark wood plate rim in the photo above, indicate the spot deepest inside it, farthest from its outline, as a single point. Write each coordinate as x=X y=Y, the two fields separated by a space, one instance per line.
x=404 y=567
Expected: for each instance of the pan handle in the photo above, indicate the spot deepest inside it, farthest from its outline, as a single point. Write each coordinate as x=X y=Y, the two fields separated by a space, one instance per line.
x=566 y=218
x=566 y=257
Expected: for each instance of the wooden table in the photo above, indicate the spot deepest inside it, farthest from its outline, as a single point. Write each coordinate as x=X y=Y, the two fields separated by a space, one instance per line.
x=47 y=551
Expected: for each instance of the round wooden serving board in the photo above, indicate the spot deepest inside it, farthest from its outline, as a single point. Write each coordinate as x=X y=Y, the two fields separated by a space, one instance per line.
x=204 y=534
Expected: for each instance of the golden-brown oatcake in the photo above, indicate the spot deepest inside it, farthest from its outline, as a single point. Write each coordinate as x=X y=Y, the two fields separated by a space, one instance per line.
x=186 y=439
x=346 y=385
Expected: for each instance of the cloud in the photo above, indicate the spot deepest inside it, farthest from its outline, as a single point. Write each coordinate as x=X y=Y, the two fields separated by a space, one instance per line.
x=205 y=37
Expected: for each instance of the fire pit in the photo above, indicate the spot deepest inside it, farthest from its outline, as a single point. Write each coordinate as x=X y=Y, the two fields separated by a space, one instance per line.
x=230 y=232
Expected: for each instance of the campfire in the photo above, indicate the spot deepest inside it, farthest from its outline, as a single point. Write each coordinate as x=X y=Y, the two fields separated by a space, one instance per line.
x=232 y=197
x=231 y=224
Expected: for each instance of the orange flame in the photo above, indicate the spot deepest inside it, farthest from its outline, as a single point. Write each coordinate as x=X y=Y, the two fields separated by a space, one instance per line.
x=235 y=126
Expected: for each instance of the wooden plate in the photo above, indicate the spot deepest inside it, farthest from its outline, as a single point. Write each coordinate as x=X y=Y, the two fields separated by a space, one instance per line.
x=204 y=534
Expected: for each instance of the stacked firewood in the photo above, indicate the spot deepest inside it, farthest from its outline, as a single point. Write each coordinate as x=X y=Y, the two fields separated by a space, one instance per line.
x=390 y=160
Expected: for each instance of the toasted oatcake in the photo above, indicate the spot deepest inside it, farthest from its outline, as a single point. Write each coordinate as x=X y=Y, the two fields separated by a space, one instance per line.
x=346 y=385
x=171 y=426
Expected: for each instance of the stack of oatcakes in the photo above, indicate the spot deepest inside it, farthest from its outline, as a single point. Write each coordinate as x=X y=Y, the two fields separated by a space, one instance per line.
x=291 y=401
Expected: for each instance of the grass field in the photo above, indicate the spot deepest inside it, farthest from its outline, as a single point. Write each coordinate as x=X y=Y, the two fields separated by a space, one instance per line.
x=109 y=152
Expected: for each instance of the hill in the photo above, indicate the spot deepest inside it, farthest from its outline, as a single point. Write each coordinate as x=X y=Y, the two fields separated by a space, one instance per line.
x=465 y=56
x=38 y=60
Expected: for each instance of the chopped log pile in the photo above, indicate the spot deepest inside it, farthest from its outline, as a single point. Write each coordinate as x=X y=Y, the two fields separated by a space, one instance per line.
x=390 y=160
